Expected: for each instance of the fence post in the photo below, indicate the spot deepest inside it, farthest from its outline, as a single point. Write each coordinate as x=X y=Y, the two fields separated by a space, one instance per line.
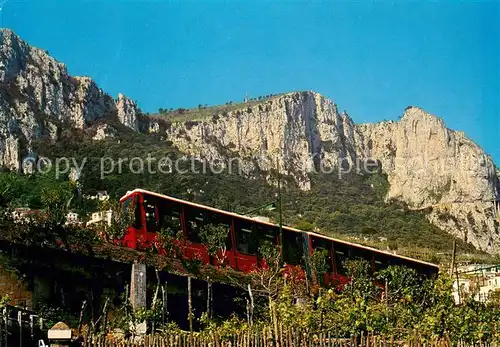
x=164 y=312
x=1 y=329
x=138 y=284
x=190 y=311
x=32 y=325
x=209 y=298
x=281 y=335
x=6 y=326
x=250 y=294
x=20 y=322
x=80 y=319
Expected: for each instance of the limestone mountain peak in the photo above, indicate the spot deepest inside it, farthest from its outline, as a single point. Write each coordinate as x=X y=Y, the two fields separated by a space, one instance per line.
x=37 y=95
x=428 y=166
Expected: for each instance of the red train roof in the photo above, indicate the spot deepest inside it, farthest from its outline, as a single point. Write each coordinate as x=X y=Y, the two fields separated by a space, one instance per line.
x=236 y=215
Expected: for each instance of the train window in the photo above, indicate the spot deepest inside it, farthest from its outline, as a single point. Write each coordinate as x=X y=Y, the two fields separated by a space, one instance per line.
x=364 y=254
x=126 y=205
x=292 y=247
x=418 y=268
x=131 y=211
x=431 y=272
x=404 y=262
x=150 y=210
x=319 y=243
x=245 y=238
x=396 y=261
x=381 y=261
x=137 y=213
x=169 y=216
x=265 y=234
x=225 y=222
x=342 y=253
x=195 y=218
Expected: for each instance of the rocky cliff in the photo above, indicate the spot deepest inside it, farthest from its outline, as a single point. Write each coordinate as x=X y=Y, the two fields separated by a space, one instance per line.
x=428 y=166
x=298 y=132
x=38 y=98
x=432 y=167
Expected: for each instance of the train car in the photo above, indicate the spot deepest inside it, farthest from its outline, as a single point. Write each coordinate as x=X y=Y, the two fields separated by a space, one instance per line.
x=339 y=251
x=152 y=212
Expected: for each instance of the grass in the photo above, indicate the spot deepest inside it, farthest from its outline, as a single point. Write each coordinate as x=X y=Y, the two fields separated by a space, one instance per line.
x=181 y=115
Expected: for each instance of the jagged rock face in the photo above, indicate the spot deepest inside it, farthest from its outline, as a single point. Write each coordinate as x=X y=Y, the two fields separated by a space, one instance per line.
x=38 y=97
x=428 y=166
x=127 y=111
x=103 y=131
x=428 y=163
x=473 y=222
x=297 y=131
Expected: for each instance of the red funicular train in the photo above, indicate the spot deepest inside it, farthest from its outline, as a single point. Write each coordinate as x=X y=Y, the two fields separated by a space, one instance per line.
x=153 y=212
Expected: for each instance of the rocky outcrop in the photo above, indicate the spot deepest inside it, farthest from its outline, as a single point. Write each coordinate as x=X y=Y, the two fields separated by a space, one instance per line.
x=428 y=163
x=429 y=166
x=127 y=111
x=103 y=131
x=299 y=132
x=432 y=167
x=38 y=97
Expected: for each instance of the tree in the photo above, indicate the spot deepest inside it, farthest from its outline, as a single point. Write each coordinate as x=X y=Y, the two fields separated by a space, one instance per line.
x=361 y=284
x=58 y=202
x=319 y=264
x=215 y=237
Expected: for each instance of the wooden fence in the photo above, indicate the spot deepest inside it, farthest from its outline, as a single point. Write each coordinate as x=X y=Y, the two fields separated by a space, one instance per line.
x=22 y=328
x=265 y=338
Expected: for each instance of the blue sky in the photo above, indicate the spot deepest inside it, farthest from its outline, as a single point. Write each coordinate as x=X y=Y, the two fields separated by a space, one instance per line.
x=372 y=59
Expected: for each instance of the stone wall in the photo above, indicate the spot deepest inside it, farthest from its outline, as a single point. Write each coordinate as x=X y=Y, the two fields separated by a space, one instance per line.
x=15 y=288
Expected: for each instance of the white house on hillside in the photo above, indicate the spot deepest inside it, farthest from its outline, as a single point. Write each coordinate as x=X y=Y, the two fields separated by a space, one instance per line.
x=100 y=216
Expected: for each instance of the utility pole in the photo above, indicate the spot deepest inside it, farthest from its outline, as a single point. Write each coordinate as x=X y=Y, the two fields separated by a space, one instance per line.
x=138 y=292
x=190 y=310
x=452 y=267
x=386 y=292
x=280 y=216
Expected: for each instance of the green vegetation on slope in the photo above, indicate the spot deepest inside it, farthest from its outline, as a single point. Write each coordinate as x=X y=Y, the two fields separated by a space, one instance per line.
x=350 y=208
x=203 y=111
x=353 y=208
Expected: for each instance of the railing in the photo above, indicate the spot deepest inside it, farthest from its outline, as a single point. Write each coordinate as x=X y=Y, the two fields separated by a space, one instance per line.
x=19 y=327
